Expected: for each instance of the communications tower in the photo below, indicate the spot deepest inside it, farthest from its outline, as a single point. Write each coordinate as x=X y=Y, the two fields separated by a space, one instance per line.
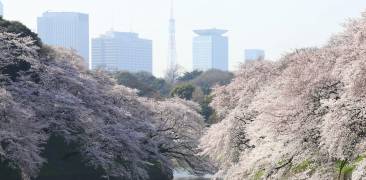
x=172 y=51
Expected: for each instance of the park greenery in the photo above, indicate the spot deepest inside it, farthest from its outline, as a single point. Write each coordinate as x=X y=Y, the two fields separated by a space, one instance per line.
x=195 y=86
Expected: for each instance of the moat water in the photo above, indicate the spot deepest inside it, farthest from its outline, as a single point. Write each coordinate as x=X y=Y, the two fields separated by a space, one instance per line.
x=186 y=176
x=191 y=178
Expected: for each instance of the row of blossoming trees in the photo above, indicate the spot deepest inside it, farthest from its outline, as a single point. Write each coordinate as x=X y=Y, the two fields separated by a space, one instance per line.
x=303 y=117
x=61 y=121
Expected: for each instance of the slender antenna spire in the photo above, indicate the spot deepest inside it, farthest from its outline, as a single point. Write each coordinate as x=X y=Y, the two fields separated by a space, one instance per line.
x=172 y=9
x=172 y=55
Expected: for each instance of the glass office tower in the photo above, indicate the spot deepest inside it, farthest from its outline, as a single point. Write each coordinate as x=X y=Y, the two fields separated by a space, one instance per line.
x=66 y=29
x=122 y=51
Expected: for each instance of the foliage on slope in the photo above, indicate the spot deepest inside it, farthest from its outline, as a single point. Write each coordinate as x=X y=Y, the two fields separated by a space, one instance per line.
x=46 y=92
x=300 y=118
x=46 y=95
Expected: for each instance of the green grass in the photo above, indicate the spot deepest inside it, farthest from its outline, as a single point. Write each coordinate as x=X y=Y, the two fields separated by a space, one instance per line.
x=258 y=175
x=302 y=167
x=346 y=168
x=359 y=158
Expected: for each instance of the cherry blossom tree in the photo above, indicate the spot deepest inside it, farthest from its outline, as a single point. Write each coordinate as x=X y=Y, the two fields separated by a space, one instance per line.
x=47 y=92
x=302 y=117
x=179 y=128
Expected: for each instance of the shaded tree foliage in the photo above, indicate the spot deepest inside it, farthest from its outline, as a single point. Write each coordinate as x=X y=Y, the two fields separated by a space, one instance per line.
x=209 y=79
x=146 y=84
x=207 y=111
x=18 y=28
x=184 y=91
x=187 y=76
x=64 y=161
x=204 y=82
x=158 y=84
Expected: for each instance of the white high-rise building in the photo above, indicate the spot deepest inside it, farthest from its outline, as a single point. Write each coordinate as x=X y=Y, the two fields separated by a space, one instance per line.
x=254 y=55
x=115 y=51
x=66 y=29
x=210 y=50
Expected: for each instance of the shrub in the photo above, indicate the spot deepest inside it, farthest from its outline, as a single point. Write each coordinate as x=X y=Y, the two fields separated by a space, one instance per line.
x=183 y=91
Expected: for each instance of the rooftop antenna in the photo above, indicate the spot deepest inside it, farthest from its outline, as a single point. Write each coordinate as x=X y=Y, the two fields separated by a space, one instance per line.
x=172 y=9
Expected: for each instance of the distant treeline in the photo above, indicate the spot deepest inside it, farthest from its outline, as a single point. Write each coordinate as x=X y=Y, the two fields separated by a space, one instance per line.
x=195 y=85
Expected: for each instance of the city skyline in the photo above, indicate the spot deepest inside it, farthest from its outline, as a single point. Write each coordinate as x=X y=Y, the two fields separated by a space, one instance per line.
x=248 y=22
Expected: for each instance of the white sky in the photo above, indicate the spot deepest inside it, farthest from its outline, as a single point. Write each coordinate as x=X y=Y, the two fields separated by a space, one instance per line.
x=277 y=26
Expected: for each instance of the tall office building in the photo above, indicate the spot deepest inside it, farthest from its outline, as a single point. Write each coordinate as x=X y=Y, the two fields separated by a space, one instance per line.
x=66 y=29
x=122 y=51
x=1 y=9
x=254 y=55
x=210 y=50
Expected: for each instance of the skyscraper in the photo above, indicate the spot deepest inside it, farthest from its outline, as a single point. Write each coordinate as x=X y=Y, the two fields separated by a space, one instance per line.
x=210 y=50
x=254 y=55
x=66 y=29
x=1 y=9
x=122 y=51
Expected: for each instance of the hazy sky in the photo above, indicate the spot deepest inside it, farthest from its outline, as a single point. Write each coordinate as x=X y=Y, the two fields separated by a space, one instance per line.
x=277 y=26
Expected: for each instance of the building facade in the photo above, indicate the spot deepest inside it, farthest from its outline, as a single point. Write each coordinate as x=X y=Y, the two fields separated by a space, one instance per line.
x=210 y=50
x=254 y=55
x=66 y=29
x=116 y=51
